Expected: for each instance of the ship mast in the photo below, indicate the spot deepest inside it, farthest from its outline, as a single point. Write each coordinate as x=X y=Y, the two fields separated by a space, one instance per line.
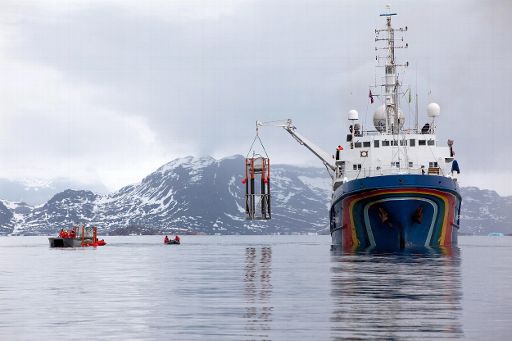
x=391 y=82
x=391 y=85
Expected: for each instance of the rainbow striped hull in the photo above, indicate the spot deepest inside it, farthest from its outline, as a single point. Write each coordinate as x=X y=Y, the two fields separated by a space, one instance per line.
x=395 y=212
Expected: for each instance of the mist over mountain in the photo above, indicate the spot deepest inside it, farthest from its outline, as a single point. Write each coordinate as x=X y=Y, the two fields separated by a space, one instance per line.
x=205 y=195
x=40 y=191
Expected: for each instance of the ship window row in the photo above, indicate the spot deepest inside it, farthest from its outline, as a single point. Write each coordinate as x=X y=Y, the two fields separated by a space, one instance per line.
x=387 y=143
x=397 y=165
x=426 y=142
x=365 y=144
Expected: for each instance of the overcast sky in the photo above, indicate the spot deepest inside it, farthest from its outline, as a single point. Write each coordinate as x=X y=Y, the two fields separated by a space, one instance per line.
x=107 y=91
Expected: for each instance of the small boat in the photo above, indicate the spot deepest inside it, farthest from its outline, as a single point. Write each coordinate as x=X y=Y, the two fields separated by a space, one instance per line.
x=175 y=241
x=76 y=237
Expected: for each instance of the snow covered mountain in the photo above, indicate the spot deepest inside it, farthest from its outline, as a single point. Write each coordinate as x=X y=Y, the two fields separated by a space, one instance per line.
x=484 y=211
x=39 y=191
x=204 y=195
x=195 y=195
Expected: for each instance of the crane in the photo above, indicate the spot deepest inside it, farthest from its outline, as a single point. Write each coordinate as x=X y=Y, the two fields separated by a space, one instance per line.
x=292 y=130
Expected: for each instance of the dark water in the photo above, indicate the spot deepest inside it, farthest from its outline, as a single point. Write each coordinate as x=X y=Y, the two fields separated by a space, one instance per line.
x=253 y=288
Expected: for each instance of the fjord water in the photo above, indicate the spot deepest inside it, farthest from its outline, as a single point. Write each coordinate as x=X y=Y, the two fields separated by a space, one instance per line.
x=252 y=288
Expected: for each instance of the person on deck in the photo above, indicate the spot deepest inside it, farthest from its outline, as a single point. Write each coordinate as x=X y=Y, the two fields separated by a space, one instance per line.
x=166 y=240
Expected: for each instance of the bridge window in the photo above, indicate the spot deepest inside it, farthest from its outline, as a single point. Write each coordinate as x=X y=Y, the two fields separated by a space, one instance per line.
x=422 y=142
x=395 y=164
x=376 y=144
x=358 y=144
x=385 y=143
x=432 y=164
x=366 y=144
x=410 y=165
x=403 y=142
x=356 y=166
x=395 y=143
x=412 y=142
x=430 y=142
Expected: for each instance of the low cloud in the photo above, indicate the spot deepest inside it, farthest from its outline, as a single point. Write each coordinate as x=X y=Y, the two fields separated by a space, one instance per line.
x=112 y=89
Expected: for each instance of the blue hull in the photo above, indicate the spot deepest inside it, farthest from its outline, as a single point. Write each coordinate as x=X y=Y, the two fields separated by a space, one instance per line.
x=395 y=212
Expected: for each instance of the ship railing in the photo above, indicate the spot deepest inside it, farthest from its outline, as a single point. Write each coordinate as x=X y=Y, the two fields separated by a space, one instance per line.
x=376 y=132
x=390 y=170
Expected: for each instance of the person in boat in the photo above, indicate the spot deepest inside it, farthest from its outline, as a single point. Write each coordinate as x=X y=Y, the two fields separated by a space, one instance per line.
x=61 y=233
x=177 y=239
x=72 y=234
x=166 y=240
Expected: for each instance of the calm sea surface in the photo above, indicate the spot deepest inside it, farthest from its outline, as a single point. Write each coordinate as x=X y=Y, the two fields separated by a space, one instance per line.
x=252 y=288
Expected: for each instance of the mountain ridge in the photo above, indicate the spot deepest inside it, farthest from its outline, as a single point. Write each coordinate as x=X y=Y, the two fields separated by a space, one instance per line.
x=205 y=195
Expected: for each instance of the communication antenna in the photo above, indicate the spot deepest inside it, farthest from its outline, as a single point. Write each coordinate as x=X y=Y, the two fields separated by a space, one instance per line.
x=387 y=40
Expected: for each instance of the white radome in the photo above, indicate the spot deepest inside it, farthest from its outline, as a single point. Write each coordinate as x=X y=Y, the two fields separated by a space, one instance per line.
x=379 y=118
x=433 y=110
x=353 y=115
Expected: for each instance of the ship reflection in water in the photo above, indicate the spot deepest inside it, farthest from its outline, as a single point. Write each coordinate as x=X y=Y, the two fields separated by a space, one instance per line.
x=258 y=290
x=401 y=295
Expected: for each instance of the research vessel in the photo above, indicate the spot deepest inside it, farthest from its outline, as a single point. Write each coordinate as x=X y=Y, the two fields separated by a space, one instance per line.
x=394 y=186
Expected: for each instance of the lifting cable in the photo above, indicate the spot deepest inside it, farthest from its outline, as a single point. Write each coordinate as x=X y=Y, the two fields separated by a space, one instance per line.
x=257 y=137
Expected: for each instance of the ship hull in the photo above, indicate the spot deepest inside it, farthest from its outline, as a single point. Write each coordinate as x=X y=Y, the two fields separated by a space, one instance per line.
x=395 y=212
x=64 y=242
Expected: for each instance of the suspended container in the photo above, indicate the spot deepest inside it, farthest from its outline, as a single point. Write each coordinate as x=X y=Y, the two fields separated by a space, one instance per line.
x=257 y=188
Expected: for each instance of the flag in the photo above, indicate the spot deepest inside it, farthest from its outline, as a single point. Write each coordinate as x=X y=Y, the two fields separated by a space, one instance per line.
x=371 y=96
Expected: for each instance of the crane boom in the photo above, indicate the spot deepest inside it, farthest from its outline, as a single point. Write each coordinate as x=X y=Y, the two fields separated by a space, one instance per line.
x=292 y=130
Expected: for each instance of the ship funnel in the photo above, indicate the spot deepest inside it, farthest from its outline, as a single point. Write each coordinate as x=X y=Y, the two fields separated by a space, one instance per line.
x=433 y=110
x=353 y=115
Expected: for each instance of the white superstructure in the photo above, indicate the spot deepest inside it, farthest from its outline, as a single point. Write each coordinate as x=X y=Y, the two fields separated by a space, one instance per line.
x=388 y=147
